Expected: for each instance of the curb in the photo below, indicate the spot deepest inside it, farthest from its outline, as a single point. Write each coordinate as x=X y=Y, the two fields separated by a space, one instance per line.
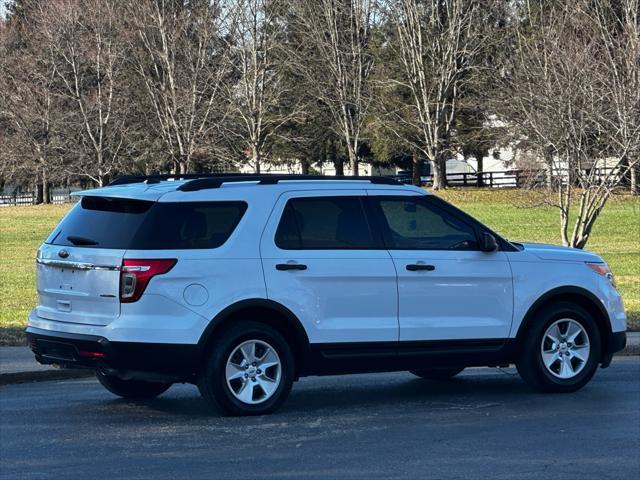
x=43 y=376
x=629 y=351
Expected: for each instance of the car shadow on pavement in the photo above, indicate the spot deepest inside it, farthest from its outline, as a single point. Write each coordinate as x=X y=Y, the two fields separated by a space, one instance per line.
x=367 y=391
x=463 y=390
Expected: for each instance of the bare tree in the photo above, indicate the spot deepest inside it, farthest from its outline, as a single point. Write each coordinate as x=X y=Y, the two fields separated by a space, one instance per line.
x=573 y=98
x=84 y=42
x=181 y=55
x=340 y=33
x=435 y=43
x=261 y=100
x=618 y=27
x=28 y=108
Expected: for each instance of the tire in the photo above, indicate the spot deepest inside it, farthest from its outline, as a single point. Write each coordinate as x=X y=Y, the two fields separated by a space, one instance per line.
x=536 y=364
x=437 y=373
x=235 y=386
x=131 y=389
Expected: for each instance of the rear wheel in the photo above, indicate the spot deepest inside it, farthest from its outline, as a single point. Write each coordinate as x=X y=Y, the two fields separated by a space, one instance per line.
x=562 y=350
x=132 y=389
x=249 y=371
x=437 y=373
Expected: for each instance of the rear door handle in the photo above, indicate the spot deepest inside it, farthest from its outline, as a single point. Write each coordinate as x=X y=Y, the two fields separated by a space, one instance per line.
x=290 y=266
x=414 y=267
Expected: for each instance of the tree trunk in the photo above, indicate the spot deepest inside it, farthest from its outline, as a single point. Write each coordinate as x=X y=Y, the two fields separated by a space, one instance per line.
x=480 y=161
x=353 y=161
x=255 y=159
x=564 y=223
x=549 y=178
x=338 y=162
x=180 y=164
x=416 y=170
x=635 y=171
x=38 y=193
x=46 y=195
x=548 y=160
x=305 y=166
x=440 y=172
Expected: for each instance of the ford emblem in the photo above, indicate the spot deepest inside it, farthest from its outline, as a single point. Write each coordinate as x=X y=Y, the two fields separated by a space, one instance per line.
x=63 y=253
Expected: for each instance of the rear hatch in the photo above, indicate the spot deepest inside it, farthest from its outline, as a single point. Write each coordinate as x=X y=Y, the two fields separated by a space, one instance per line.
x=78 y=267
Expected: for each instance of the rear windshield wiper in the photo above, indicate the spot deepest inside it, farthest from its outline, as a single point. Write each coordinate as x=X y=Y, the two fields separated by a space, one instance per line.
x=81 y=240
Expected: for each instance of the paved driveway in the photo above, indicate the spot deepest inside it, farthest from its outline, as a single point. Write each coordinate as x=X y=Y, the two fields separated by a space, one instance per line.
x=484 y=424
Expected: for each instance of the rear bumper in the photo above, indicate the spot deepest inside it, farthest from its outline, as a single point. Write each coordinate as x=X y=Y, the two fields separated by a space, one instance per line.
x=178 y=362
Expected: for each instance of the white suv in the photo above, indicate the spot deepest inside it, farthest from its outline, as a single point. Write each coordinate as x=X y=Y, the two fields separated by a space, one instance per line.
x=242 y=284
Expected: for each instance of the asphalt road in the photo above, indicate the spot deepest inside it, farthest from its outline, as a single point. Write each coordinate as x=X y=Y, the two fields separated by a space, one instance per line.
x=484 y=424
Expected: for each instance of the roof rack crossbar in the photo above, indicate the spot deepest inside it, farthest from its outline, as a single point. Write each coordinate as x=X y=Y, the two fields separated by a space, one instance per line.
x=200 y=181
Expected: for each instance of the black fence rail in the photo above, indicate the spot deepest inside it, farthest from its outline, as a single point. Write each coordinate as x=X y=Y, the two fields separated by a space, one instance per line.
x=497 y=179
x=500 y=179
x=522 y=178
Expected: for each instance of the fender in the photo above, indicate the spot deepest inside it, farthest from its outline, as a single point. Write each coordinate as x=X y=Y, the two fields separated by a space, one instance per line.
x=574 y=291
x=250 y=304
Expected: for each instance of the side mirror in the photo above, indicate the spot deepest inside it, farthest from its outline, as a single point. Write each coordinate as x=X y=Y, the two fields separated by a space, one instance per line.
x=488 y=242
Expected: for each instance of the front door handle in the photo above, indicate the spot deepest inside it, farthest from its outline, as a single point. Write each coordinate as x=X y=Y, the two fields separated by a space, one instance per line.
x=414 y=267
x=290 y=266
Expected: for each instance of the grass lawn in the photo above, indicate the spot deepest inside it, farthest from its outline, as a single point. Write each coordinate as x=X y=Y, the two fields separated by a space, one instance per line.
x=616 y=237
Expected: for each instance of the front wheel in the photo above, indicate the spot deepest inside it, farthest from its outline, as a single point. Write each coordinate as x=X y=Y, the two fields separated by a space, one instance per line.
x=437 y=373
x=562 y=350
x=131 y=389
x=249 y=371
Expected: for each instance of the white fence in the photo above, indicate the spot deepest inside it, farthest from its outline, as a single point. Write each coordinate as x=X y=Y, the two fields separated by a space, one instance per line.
x=57 y=196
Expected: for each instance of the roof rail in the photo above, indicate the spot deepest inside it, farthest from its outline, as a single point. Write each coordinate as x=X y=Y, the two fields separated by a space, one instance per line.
x=202 y=181
x=157 y=178
x=205 y=183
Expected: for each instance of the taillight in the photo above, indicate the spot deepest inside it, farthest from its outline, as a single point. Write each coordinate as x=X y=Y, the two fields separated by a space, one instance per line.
x=135 y=275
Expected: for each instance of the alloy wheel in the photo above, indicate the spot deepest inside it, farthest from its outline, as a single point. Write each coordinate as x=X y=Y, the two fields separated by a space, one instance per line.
x=253 y=371
x=565 y=348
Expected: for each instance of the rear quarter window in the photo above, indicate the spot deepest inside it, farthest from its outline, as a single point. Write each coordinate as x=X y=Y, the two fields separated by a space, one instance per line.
x=176 y=226
x=97 y=222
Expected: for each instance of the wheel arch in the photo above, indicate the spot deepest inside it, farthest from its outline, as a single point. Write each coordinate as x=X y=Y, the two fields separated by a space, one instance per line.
x=573 y=294
x=264 y=311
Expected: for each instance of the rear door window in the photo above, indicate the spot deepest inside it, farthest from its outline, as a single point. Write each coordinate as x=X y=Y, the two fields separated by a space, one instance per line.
x=324 y=223
x=100 y=222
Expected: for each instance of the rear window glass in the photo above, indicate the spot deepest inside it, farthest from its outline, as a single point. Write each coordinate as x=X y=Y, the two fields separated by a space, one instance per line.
x=98 y=222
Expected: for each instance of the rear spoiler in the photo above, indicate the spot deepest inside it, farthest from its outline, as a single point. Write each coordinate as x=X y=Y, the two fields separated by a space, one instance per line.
x=129 y=192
